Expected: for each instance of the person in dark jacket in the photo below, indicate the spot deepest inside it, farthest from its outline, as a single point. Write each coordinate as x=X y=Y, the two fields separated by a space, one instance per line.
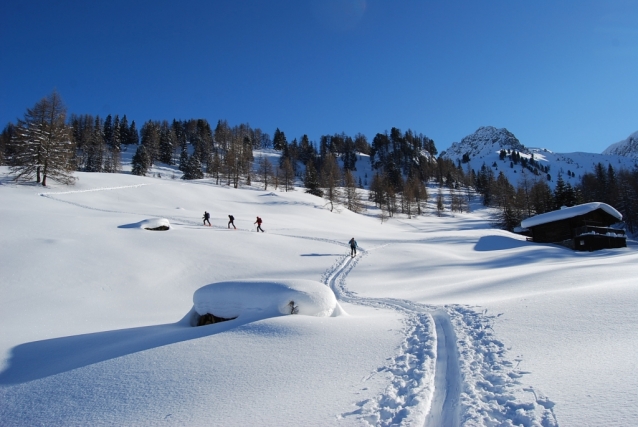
x=231 y=221
x=258 y=222
x=353 y=247
x=206 y=218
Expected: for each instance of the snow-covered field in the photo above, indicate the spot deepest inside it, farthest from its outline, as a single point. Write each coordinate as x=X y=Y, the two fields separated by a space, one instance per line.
x=438 y=320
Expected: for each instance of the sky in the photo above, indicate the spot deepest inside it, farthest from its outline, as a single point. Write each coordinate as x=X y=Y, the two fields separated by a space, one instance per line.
x=560 y=75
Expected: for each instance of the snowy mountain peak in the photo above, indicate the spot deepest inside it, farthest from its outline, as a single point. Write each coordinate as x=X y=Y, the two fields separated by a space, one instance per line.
x=627 y=147
x=484 y=146
x=486 y=138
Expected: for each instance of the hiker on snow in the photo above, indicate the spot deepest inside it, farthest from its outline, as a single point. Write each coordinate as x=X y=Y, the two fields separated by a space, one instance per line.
x=258 y=222
x=353 y=247
x=206 y=218
x=232 y=221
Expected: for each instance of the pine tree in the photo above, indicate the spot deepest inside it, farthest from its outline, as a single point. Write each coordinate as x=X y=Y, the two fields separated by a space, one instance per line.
x=96 y=149
x=150 y=139
x=194 y=168
x=5 y=142
x=311 y=180
x=141 y=162
x=42 y=145
x=117 y=138
x=279 y=140
x=133 y=136
x=349 y=156
x=107 y=131
x=166 y=142
x=559 y=193
x=124 y=130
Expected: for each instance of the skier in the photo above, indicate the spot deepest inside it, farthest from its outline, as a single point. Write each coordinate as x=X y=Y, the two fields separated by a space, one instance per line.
x=232 y=221
x=353 y=247
x=258 y=222
x=206 y=218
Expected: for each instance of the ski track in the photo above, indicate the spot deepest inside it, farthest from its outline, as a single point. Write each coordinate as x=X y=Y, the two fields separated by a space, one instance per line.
x=450 y=369
x=406 y=400
x=176 y=219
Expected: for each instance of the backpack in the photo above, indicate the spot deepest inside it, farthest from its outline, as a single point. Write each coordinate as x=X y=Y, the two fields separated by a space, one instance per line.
x=232 y=218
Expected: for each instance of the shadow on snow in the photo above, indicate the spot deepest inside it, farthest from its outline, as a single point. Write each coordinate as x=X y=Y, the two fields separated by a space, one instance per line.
x=39 y=359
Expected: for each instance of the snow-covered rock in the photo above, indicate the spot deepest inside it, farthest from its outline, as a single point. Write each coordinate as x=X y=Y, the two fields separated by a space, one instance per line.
x=155 y=224
x=627 y=147
x=266 y=298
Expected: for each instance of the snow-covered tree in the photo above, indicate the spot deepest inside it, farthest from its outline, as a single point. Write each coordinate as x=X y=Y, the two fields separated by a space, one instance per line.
x=42 y=145
x=193 y=168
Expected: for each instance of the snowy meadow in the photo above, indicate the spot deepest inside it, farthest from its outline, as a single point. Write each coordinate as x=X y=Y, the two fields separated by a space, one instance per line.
x=438 y=320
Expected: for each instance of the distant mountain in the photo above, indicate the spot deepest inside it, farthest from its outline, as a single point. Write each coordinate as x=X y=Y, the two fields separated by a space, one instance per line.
x=484 y=147
x=486 y=138
x=627 y=147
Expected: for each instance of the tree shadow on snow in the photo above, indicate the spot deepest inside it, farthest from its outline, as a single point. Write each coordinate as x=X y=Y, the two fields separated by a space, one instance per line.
x=40 y=359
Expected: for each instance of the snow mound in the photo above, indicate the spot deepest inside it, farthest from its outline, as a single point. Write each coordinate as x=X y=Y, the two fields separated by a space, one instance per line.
x=155 y=224
x=266 y=298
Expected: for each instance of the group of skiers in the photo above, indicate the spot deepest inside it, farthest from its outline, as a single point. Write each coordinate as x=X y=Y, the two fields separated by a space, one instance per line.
x=231 y=221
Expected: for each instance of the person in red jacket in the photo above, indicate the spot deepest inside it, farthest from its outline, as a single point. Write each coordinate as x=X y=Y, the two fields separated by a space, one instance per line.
x=258 y=222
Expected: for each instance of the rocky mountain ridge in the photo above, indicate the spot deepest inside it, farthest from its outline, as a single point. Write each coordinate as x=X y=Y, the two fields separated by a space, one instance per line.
x=484 y=147
x=627 y=147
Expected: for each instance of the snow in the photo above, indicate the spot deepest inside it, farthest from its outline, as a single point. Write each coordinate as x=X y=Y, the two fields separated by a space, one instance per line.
x=449 y=320
x=569 y=212
x=261 y=299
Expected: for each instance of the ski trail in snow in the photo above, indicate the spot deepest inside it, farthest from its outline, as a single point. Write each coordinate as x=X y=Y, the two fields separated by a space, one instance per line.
x=451 y=369
x=406 y=400
x=175 y=219
x=91 y=190
x=447 y=380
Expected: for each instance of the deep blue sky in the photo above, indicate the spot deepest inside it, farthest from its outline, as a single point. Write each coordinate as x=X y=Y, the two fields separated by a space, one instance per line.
x=558 y=74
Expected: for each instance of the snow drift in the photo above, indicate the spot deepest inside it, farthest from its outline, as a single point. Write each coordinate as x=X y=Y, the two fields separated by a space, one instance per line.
x=266 y=298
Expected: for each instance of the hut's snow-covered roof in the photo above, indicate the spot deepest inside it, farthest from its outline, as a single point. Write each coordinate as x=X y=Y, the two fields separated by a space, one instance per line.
x=571 y=212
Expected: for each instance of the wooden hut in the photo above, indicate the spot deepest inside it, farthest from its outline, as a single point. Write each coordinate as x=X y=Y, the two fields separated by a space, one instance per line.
x=583 y=227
